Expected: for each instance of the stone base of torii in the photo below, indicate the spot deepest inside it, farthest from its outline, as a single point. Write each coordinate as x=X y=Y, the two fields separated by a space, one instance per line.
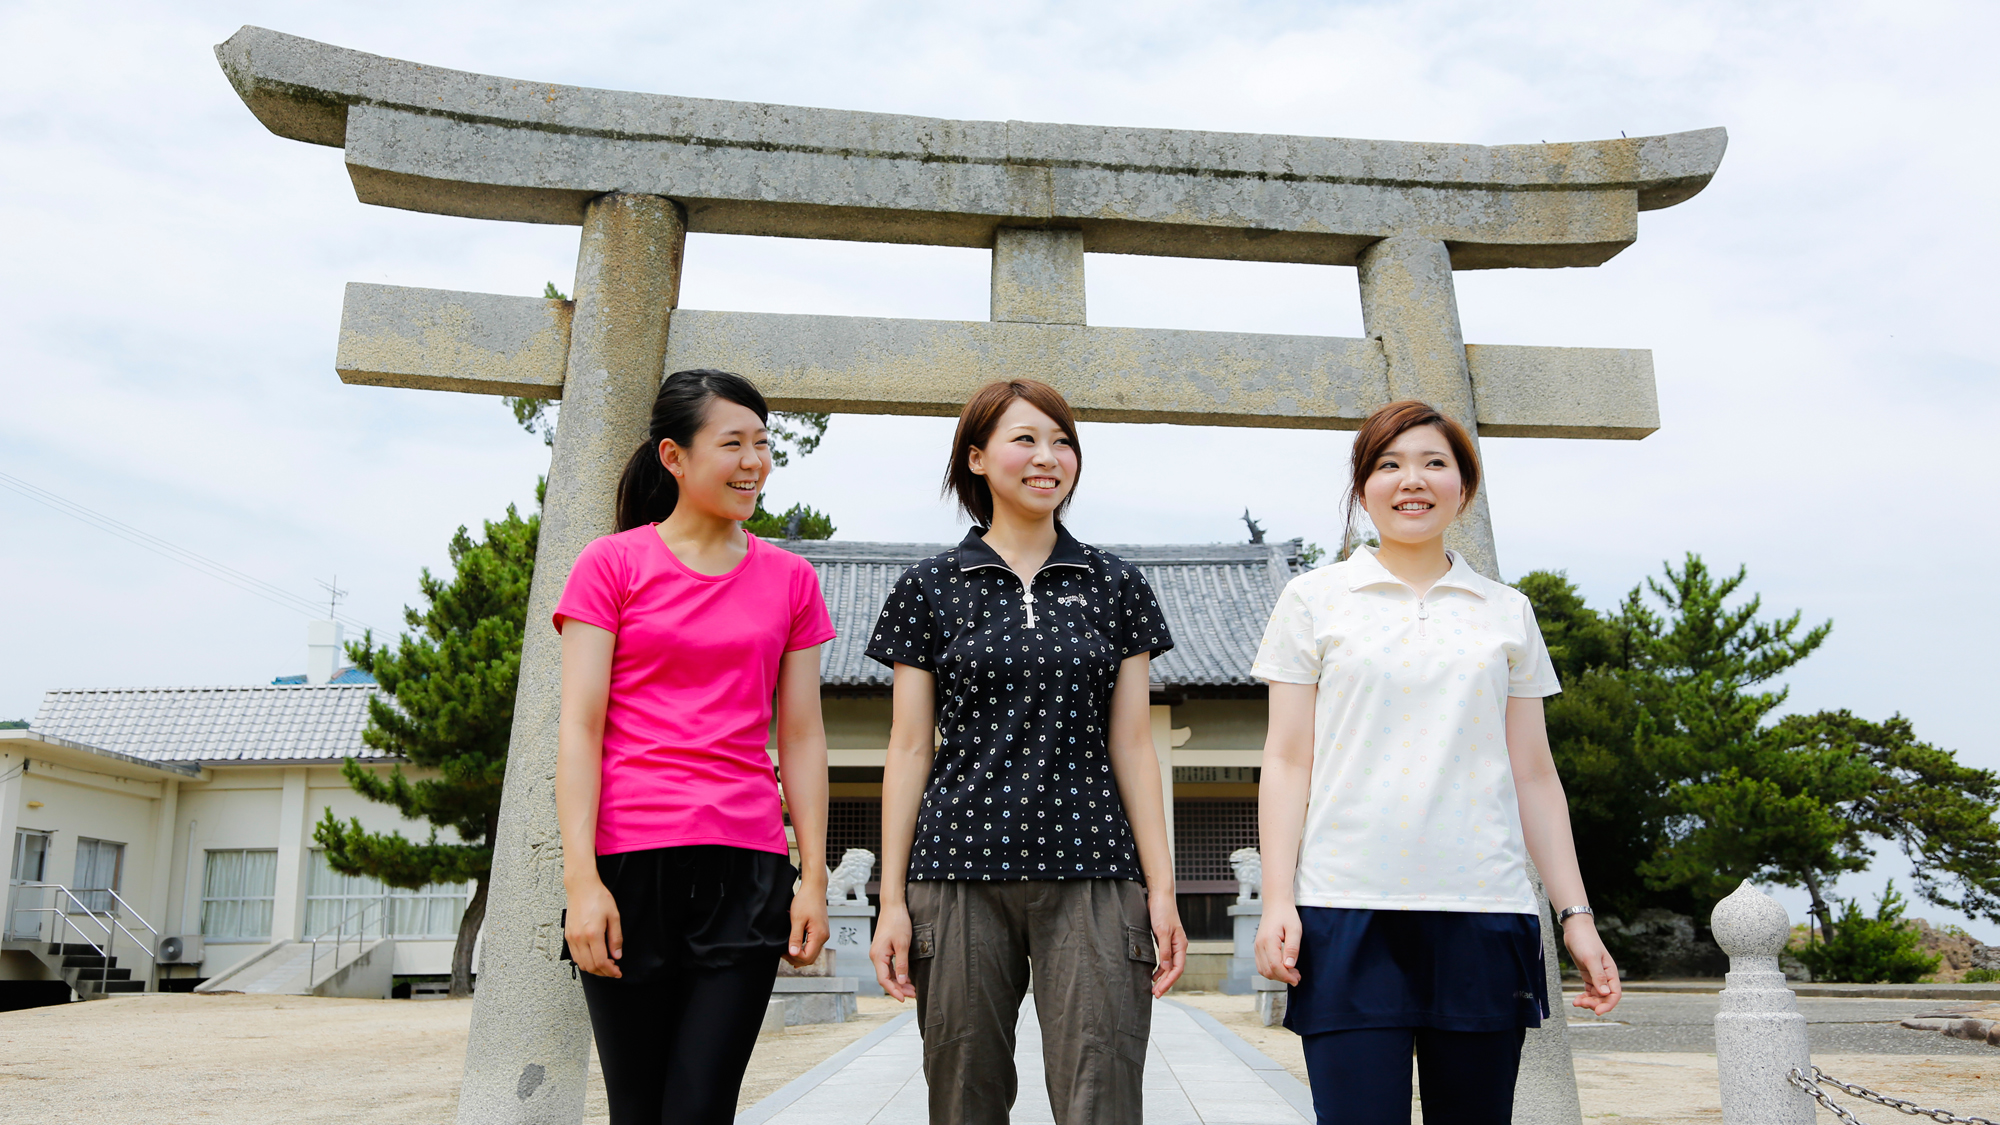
x=638 y=171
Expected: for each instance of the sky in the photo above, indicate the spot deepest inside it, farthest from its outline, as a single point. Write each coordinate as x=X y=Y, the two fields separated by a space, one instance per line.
x=173 y=276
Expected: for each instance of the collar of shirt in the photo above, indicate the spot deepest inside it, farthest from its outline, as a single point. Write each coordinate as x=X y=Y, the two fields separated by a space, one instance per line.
x=973 y=552
x=1367 y=570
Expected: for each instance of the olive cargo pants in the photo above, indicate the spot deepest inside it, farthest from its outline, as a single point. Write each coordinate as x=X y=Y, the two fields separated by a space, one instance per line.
x=1090 y=943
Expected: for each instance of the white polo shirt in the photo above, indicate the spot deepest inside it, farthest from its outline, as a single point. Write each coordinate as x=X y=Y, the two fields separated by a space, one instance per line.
x=1412 y=804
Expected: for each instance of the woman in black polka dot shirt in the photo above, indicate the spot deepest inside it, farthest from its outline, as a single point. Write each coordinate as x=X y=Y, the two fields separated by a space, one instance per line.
x=1022 y=815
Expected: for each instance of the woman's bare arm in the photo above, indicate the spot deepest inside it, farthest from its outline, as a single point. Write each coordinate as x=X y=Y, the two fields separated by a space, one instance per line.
x=1545 y=829
x=1136 y=768
x=1283 y=789
x=591 y=923
x=905 y=773
x=802 y=768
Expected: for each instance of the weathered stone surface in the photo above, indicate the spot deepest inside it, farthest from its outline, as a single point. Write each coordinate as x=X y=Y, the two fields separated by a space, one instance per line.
x=1038 y=276
x=528 y=1018
x=392 y=336
x=445 y=141
x=1525 y=391
x=1409 y=304
x=1760 y=1037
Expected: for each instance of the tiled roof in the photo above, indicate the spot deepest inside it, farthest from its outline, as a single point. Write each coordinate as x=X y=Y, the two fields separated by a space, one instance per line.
x=1217 y=597
x=216 y=724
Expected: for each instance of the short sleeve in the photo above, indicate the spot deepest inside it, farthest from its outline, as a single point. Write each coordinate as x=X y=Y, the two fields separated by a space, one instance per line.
x=811 y=624
x=1530 y=672
x=907 y=631
x=1291 y=651
x=595 y=591
x=1141 y=626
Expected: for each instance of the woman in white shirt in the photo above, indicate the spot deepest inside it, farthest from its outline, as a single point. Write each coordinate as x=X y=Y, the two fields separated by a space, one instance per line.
x=1406 y=782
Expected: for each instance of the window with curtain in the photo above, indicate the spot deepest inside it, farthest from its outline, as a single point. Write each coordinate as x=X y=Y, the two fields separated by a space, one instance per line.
x=432 y=911
x=237 y=889
x=99 y=863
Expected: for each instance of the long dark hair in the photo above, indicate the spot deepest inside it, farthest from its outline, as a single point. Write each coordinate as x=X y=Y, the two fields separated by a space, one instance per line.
x=647 y=492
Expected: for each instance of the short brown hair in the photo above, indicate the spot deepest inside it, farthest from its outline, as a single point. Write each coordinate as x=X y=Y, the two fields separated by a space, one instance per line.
x=975 y=428
x=1387 y=423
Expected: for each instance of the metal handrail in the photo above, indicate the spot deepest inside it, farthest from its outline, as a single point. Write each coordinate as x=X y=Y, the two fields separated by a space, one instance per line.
x=107 y=921
x=338 y=936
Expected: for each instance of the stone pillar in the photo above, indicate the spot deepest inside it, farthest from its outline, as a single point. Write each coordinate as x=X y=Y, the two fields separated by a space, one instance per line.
x=1408 y=304
x=529 y=1049
x=1038 y=276
x=853 y=926
x=1759 y=1034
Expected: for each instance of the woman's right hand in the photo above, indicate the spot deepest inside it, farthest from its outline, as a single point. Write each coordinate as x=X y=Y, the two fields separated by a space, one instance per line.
x=1278 y=943
x=596 y=941
x=891 y=952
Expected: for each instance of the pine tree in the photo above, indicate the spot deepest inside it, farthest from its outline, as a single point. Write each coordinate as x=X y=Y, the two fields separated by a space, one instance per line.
x=452 y=681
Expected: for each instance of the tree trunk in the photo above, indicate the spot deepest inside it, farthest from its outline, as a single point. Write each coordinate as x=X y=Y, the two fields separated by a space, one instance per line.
x=468 y=935
x=1819 y=909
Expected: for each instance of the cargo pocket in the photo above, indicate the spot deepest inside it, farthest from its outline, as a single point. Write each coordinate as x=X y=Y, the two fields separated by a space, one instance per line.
x=1135 y=1007
x=923 y=959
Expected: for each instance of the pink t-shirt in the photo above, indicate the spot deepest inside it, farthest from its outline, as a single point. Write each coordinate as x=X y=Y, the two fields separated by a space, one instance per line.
x=692 y=680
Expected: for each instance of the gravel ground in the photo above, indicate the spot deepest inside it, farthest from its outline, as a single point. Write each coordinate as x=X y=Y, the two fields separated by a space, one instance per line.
x=224 y=1060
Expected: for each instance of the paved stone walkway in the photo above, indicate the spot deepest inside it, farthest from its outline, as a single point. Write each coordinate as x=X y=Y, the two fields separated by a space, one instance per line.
x=1197 y=1073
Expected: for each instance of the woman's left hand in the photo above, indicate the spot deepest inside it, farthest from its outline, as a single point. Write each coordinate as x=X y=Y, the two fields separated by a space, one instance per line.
x=1170 y=940
x=809 y=928
x=1601 y=990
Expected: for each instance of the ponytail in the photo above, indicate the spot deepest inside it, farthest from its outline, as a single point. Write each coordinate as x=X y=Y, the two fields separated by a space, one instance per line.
x=647 y=492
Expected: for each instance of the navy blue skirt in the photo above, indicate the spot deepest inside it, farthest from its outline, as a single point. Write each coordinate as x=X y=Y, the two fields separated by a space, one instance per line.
x=1417 y=968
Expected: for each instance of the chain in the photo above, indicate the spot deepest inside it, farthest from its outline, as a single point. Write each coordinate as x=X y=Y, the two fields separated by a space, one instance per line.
x=1810 y=1086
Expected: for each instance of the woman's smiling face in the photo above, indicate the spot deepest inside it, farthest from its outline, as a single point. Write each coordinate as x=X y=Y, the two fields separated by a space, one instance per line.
x=725 y=469
x=1029 y=462
x=1414 y=489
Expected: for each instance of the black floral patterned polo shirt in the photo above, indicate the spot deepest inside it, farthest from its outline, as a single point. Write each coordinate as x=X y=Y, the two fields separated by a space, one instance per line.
x=1022 y=786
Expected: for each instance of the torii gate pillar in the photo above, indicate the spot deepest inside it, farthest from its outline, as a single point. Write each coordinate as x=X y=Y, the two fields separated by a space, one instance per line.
x=530 y=1043
x=638 y=171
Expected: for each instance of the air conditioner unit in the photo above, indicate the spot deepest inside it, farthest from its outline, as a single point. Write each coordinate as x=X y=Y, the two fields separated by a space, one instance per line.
x=180 y=949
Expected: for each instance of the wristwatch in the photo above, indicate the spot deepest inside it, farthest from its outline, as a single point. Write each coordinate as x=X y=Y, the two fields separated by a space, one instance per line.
x=1569 y=910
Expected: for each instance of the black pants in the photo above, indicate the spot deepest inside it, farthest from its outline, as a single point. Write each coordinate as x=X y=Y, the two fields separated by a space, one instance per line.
x=674 y=1050
x=704 y=926
x=1362 y=1077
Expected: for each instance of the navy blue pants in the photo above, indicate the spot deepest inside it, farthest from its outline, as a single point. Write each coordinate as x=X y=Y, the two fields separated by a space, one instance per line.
x=1362 y=1077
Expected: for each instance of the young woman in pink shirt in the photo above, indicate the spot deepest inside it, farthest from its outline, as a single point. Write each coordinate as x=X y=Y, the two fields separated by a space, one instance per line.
x=679 y=632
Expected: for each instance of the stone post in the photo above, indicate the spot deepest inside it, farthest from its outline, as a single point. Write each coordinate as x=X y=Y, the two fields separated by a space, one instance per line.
x=1759 y=1034
x=529 y=1049
x=1408 y=305
x=1038 y=276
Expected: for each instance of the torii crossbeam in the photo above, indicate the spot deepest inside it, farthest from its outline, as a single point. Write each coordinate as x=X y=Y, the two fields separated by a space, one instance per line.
x=639 y=171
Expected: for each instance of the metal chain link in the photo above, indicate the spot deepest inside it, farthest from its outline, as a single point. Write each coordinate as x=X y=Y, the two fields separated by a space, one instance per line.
x=1811 y=1086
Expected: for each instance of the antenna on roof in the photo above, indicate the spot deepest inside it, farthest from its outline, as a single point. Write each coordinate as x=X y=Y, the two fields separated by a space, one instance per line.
x=333 y=595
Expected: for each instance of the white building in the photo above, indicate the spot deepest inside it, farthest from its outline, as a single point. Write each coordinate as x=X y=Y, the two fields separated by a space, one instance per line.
x=189 y=812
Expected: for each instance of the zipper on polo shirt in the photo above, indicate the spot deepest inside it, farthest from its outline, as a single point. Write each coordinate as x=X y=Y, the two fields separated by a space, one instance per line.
x=1027 y=584
x=1423 y=615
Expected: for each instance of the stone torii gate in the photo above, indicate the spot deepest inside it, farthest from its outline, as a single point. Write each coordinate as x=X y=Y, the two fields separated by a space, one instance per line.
x=638 y=171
